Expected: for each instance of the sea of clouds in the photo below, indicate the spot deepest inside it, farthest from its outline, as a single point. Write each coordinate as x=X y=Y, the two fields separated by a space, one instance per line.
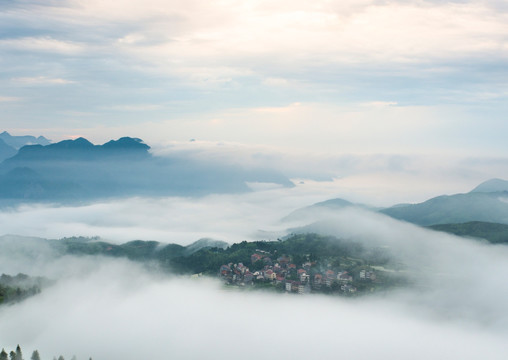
x=116 y=309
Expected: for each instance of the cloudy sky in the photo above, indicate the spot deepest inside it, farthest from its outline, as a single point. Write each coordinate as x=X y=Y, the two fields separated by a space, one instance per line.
x=362 y=76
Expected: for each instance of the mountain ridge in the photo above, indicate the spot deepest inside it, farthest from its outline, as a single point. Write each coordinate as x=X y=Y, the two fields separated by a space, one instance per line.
x=488 y=202
x=77 y=170
x=6 y=151
x=19 y=141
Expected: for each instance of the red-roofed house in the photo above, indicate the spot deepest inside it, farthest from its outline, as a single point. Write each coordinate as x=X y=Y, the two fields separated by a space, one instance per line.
x=270 y=275
x=255 y=257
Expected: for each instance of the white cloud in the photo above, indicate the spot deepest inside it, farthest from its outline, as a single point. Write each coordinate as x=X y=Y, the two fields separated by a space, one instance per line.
x=44 y=43
x=136 y=107
x=322 y=128
x=274 y=81
x=107 y=308
x=380 y=103
x=42 y=80
x=234 y=34
x=9 y=99
x=172 y=220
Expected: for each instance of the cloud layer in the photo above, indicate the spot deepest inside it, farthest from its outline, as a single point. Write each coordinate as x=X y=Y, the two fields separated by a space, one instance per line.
x=108 y=308
x=371 y=76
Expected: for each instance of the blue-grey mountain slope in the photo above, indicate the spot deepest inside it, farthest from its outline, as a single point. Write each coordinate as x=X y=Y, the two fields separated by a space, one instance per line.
x=492 y=185
x=459 y=208
x=77 y=170
x=6 y=151
x=488 y=202
x=19 y=141
x=317 y=211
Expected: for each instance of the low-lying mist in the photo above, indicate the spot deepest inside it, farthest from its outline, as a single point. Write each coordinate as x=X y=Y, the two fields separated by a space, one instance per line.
x=116 y=310
x=181 y=220
x=110 y=308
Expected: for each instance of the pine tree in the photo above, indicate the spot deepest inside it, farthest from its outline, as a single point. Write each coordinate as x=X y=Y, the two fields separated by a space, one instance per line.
x=61 y=357
x=12 y=355
x=19 y=354
x=3 y=355
x=35 y=355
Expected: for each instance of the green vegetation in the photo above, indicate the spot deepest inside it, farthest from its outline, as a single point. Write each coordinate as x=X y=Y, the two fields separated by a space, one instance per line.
x=453 y=209
x=493 y=232
x=324 y=256
x=321 y=258
x=137 y=250
x=19 y=287
x=304 y=247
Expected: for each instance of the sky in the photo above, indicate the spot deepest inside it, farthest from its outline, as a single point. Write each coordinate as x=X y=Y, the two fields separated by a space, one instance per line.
x=323 y=77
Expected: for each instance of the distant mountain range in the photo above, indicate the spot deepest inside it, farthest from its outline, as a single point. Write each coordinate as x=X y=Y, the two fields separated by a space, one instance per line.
x=315 y=211
x=487 y=202
x=9 y=144
x=481 y=213
x=77 y=170
x=6 y=151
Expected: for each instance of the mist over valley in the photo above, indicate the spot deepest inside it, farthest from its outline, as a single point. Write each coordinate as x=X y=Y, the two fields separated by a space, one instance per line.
x=112 y=277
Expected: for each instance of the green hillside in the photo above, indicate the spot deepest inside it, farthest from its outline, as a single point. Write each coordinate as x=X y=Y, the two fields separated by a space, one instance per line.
x=493 y=232
x=459 y=208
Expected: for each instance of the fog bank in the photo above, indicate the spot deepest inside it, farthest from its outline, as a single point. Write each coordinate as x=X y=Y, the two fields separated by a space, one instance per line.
x=455 y=306
x=118 y=311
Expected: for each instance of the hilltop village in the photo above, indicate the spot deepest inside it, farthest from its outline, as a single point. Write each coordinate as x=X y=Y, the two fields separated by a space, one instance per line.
x=299 y=264
x=286 y=276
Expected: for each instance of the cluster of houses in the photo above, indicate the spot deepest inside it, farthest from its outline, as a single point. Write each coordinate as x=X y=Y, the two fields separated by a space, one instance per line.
x=282 y=272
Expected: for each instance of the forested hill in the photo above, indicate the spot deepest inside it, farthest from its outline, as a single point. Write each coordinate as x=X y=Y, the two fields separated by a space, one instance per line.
x=299 y=248
x=492 y=232
x=137 y=250
x=205 y=255
x=20 y=287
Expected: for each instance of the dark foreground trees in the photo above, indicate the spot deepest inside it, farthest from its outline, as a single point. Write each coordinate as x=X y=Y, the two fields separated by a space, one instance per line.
x=18 y=355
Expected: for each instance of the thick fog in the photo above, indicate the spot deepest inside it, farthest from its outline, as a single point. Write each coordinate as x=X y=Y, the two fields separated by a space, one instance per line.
x=231 y=218
x=116 y=309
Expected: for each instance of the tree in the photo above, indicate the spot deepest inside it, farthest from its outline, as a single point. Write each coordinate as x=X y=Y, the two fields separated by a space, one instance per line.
x=35 y=355
x=61 y=357
x=12 y=355
x=3 y=355
x=19 y=354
